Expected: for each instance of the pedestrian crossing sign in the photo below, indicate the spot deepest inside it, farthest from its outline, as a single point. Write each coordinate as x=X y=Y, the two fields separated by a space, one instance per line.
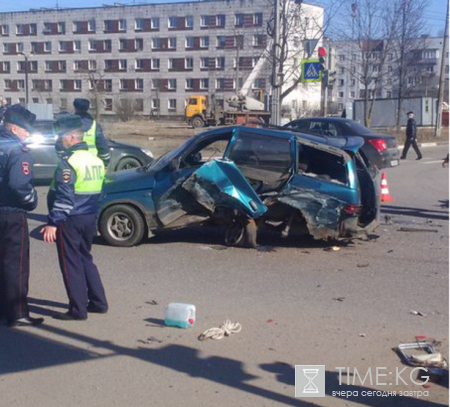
x=311 y=71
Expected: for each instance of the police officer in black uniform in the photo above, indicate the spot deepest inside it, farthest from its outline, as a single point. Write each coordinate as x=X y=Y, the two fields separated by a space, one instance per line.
x=411 y=137
x=73 y=207
x=17 y=196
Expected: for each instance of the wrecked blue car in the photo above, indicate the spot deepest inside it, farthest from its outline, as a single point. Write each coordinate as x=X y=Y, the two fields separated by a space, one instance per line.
x=246 y=179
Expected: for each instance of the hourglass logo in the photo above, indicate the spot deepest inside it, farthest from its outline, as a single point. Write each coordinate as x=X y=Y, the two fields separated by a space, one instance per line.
x=309 y=380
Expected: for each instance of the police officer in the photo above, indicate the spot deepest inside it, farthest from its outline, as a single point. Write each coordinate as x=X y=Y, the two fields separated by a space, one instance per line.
x=93 y=132
x=73 y=206
x=411 y=137
x=17 y=196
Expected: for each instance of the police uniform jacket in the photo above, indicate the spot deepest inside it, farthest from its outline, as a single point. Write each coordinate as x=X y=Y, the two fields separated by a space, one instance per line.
x=99 y=143
x=76 y=185
x=17 y=192
x=411 y=128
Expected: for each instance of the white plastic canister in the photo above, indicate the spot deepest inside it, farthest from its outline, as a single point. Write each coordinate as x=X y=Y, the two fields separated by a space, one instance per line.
x=179 y=314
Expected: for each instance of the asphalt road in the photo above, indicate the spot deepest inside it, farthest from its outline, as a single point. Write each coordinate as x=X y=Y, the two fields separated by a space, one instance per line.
x=299 y=303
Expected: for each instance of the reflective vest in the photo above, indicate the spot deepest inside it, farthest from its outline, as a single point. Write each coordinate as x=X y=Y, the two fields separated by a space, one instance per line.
x=89 y=138
x=90 y=172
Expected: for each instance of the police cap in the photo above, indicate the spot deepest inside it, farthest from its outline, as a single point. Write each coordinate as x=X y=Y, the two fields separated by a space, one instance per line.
x=67 y=123
x=18 y=115
x=409 y=113
x=81 y=105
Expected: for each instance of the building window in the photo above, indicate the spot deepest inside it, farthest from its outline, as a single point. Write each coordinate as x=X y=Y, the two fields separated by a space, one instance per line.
x=108 y=65
x=123 y=64
x=204 y=63
x=189 y=84
x=353 y=82
x=91 y=25
x=108 y=25
x=341 y=58
x=220 y=84
x=139 y=84
x=341 y=82
x=107 y=45
x=62 y=66
x=123 y=84
x=155 y=104
x=172 y=105
x=108 y=105
x=341 y=70
x=138 y=64
x=170 y=64
x=257 y=19
x=91 y=45
x=76 y=27
x=172 y=22
x=62 y=46
x=4 y=29
x=188 y=63
x=76 y=65
x=155 y=63
x=204 y=21
x=108 y=84
x=7 y=83
x=221 y=40
x=20 y=84
x=139 y=24
x=204 y=83
x=220 y=20
x=122 y=45
x=139 y=44
x=238 y=20
x=139 y=105
x=155 y=84
x=341 y=94
x=172 y=43
x=6 y=66
x=220 y=62
x=204 y=42
x=122 y=24
x=156 y=43
x=77 y=84
x=189 y=22
x=352 y=94
x=20 y=47
x=258 y=40
x=154 y=23
x=172 y=84
x=92 y=64
x=61 y=28
x=189 y=42
x=19 y=29
x=77 y=46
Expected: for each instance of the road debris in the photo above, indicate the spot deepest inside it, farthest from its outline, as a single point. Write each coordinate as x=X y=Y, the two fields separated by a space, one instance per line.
x=362 y=265
x=362 y=335
x=419 y=313
x=404 y=229
x=226 y=329
x=339 y=299
x=332 y=249
x=152 y=302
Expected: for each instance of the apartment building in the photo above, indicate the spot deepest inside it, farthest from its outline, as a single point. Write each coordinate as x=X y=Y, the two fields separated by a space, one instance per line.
x=153 y=56
x=353 y=62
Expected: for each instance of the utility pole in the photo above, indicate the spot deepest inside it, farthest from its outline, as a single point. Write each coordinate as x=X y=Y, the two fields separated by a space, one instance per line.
x=437 y=131
x=276 y=86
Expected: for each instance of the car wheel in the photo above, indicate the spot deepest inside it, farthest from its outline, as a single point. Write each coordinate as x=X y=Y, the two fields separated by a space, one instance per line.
x=241 y=232
x=122 y=226
x=197 y=122
x=128 y=163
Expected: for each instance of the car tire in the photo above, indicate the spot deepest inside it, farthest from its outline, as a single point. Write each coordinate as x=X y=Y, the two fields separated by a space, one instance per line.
x=122 y=226
x=198 y=122
x=128 y=163
x=241 y=232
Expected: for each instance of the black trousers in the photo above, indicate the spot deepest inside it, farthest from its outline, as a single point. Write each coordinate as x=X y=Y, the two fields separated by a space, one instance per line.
x=408 y=143
x=14 y=265
x=80 y=274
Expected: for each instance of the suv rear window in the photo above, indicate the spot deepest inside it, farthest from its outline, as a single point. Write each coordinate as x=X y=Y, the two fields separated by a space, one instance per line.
x=317 y=163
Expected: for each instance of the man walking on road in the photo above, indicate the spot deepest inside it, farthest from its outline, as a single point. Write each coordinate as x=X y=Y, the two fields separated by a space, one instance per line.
x=411 y=137
x=17 y=196
x=73 y=207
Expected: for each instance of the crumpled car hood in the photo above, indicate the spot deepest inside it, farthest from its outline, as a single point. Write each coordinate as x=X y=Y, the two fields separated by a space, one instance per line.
x=219 y=183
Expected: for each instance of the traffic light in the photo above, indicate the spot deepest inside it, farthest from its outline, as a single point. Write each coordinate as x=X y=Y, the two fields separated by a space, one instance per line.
x=322 y=59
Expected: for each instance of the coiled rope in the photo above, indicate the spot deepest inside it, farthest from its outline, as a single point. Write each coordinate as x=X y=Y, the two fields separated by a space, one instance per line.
x=226 y=329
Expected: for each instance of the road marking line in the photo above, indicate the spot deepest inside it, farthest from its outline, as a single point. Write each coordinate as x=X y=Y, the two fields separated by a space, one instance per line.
x=431 y=162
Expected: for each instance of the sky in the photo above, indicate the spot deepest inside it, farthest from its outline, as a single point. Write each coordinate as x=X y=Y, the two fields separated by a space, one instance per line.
x=435 y=15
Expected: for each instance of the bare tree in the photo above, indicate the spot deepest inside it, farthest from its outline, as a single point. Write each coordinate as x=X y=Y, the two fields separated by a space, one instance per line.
x=410 y=26
x=125 y=108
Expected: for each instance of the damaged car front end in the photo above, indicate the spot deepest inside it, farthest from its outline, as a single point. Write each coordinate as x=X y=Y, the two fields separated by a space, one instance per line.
x=247 y=179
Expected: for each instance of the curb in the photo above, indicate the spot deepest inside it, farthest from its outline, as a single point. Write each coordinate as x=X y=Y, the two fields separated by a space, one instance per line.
x=425 y=145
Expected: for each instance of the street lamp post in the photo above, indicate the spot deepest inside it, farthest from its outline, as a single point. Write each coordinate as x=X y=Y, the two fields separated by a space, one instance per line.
x=26 y=76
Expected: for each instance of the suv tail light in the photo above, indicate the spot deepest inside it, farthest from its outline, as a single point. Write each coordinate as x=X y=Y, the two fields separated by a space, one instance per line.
x=352 y=209
x=379 y=144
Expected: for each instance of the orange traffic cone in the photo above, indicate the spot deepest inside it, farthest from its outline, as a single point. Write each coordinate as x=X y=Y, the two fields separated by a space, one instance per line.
x=385 y=197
